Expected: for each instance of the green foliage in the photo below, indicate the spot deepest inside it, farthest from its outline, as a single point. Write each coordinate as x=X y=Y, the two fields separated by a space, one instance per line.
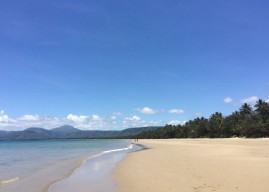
x=246 y=109
x=245 y=123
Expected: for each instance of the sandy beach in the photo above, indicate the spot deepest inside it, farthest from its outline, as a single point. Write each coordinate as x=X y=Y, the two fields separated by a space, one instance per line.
x=196 y=165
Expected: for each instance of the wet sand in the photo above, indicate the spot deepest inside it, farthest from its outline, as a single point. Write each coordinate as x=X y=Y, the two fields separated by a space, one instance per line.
x=94 y=174
x=196 y=165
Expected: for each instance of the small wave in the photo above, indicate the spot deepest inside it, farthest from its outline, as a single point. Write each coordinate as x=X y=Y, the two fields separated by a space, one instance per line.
x=109 y=151
x=9 y=180
x=122 y=149
x=90 y=157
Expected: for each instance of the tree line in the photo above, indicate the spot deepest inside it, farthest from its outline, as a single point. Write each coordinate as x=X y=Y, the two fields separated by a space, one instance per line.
x=251 y=122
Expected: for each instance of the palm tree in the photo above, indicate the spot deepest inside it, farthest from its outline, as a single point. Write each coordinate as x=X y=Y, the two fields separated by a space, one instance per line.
x=262 y=109
x=215 y=124
x=259 y=106
x=246 y=109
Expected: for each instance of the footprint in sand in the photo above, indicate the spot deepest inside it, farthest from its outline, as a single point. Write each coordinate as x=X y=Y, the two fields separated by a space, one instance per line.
x=205 y=187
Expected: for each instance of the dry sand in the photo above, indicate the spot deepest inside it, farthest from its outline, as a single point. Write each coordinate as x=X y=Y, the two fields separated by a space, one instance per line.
x=196 y=165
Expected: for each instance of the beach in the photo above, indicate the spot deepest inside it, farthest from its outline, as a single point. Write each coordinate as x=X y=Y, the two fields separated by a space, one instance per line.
x=196 y=165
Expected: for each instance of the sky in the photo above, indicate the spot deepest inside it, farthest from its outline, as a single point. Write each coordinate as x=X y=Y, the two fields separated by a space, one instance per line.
x=110 y=65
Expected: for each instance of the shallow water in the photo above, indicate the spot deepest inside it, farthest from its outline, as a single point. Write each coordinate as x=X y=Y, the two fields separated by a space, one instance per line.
x=94 y=175
x=33 y=165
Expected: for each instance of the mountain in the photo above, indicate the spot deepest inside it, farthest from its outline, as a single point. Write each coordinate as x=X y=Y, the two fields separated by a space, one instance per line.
x=3 y=133
x=69 y=132
x=27 y=134
x=64 y=131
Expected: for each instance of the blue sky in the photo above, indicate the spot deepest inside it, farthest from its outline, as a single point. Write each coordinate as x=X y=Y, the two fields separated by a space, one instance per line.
x=103 y=64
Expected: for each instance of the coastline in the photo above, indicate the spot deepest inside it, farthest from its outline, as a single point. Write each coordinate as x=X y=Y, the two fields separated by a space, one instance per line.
x=94 y=173
x=95 y=166
x=196 y=165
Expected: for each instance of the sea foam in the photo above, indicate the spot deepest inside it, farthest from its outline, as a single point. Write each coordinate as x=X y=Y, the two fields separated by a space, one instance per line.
x=9 y=180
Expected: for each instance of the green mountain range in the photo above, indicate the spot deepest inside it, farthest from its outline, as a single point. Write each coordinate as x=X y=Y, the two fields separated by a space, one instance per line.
x=69 y=132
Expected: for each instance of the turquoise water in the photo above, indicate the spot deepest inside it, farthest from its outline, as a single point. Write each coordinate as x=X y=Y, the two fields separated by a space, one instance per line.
x=20 y=160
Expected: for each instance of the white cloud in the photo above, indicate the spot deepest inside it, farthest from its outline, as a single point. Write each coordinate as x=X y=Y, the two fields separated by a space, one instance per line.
x=79 y=121
x=133 y=121
x=136 y=121
x=3 y=117
x=29 y=118
x=176 y=111
x=267 y=100
x=76 y=118
x=147 y=111
x=151 y=123
x=174 y=122
x=84 y=122
x=133 y=118
x=228 y=100
x=96 y=117
x=90 y=122
x=250 y=100
x=113 y=117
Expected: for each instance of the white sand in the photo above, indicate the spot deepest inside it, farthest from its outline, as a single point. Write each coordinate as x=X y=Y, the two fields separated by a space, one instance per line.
x=196 y=165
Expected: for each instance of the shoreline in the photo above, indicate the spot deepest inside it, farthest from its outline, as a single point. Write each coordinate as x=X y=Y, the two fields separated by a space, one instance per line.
x=94 y=173
x=196 y=165
x=44 y=179
x=81 y=161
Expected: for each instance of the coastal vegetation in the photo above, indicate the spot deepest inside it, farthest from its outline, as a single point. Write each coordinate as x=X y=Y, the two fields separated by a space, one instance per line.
x=248 y=121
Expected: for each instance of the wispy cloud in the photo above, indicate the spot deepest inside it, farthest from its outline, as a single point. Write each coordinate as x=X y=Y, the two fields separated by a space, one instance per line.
x=147 y=111
x=136 y=121
x=151 y=111
x=29 y=118
x=176 y=111
x=250 y=100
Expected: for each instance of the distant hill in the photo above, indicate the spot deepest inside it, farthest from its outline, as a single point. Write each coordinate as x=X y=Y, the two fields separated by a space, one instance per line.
x=69 y=132
x=27 y=134
x=65 y=129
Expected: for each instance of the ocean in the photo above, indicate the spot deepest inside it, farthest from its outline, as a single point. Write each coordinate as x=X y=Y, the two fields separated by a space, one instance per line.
x=51 y=165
